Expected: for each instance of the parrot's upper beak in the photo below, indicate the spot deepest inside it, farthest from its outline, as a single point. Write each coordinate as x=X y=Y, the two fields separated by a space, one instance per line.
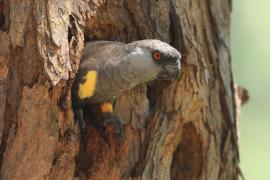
x=170 y=71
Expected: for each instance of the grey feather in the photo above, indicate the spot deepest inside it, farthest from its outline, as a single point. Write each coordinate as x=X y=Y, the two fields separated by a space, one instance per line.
x=123 y=66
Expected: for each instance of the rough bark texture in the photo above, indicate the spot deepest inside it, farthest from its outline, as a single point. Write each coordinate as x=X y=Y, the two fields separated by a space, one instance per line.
x=173 y=130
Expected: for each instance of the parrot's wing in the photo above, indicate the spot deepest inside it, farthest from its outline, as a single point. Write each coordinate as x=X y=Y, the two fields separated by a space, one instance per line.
x=96 y=62
x=98 y=54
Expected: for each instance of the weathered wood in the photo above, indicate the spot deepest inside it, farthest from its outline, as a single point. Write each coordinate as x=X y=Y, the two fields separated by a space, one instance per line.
x=173 y=130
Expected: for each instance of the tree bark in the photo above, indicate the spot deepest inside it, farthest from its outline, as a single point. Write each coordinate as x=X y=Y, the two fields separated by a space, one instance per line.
x=173 y=130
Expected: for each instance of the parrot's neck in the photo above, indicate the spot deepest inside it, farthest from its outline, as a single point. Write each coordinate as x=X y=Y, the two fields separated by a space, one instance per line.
x=124 y=76
x=127 y=77
x=130 y=75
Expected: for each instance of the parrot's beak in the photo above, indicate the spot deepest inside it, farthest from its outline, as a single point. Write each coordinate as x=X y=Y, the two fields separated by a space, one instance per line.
x=170 y=71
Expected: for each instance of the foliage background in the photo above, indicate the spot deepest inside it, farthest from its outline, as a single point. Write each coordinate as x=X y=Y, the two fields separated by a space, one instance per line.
x=251 y=66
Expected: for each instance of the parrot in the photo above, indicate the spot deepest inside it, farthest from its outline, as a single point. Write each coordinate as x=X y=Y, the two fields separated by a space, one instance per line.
x=108 y=68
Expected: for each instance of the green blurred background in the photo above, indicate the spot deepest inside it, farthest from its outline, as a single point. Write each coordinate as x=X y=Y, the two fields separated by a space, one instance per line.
x=250 y=41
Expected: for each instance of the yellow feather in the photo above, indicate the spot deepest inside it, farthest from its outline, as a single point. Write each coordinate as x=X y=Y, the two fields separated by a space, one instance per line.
x=87 y=89
x=106 y=107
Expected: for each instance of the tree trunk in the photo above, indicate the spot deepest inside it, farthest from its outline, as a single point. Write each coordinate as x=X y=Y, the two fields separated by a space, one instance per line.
x=173 y=130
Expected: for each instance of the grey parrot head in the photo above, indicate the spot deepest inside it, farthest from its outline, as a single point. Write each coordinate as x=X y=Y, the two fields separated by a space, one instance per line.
x=153 y=59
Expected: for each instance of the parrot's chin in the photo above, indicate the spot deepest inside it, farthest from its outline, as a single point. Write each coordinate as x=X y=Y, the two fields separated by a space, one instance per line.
x=163 y=77
x=174 y=75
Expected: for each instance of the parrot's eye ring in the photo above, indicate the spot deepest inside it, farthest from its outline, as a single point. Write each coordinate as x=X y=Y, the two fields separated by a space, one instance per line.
x=156 y=55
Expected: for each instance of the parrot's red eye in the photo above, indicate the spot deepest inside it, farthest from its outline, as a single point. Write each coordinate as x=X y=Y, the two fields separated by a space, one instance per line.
x=156 y=55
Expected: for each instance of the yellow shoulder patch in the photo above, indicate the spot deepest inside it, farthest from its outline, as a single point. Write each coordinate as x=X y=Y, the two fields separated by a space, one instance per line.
x=87 y=89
